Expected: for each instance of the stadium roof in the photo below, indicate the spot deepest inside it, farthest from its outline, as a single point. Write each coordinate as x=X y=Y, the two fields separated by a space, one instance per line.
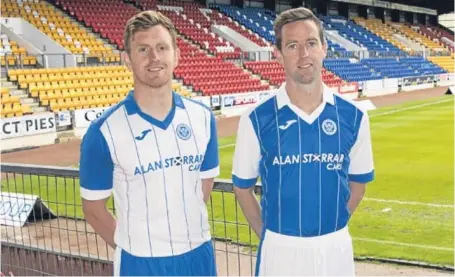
x=442 y=6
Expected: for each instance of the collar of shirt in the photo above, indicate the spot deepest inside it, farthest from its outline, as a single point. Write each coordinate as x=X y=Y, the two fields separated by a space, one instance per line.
x=132 y=107
x=282 y=97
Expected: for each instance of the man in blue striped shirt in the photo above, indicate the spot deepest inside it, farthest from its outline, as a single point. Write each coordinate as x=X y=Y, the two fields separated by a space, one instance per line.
x=157 y=153
x=312 y=150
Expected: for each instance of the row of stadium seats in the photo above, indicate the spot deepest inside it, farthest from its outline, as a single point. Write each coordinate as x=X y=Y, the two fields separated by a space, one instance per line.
x=273 y=71
x=196 y=27
x=204 y=73
x=78 y=87
x=107 y=18
x=11 y=105
x=358 y=34
x=434 y=33
x=44 y=16
x=389 y=29
x=446 y=62
x=258 y=20
x=12 y=54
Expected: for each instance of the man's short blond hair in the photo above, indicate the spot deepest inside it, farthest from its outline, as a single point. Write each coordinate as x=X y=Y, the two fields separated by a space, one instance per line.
x=145 y=20
x=293 y=15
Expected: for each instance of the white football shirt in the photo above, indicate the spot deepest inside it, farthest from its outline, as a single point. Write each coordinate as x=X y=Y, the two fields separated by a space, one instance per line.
x=154 y=170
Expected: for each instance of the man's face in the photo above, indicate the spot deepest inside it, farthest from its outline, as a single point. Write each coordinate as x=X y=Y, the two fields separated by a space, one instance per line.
x=302 y=53
x=152 y=57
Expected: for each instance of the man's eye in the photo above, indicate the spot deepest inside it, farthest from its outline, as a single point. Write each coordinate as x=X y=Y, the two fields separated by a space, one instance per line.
x=292 y=46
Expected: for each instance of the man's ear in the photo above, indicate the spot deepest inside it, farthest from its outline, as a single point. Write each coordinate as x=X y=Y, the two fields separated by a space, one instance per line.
x=177 y=57
x=126 y=59
x=278 y=55
x=324 y=47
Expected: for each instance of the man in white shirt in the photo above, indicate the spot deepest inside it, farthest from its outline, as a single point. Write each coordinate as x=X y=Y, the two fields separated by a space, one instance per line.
x=312 y=150
x=157 y=153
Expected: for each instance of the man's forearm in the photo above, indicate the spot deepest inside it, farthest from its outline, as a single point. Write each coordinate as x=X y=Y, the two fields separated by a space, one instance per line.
x=207 y=186
x=250 y=208
x=104 y=224
x=357 y=193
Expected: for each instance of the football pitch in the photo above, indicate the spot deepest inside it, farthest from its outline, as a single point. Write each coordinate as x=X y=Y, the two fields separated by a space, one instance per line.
x=408 y=212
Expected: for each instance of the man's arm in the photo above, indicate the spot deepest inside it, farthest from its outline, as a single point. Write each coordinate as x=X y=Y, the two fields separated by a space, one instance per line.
x=99 y=217
x=357 y=194
x=250 y=207
x=96 y=180
x=245 y=170
x=210 y=167
x=361 y=170
x=207 y=186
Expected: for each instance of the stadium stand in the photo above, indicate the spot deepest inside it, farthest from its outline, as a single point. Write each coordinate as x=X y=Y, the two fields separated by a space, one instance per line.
x=60 y=28
x=73 y=88
x=436 y=33
x=359 y=35
x=205 y=69
x=106 y=17
x=376 y=26
x=258 y=20
x=417 y=37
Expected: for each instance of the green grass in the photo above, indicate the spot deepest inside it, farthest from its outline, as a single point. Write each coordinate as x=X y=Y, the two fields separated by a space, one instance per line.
x=413 y=155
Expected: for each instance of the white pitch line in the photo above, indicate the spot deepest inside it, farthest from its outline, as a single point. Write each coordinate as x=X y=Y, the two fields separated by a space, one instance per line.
x=411 y=107
x=409 y=203
x=423 y=246
x=226 y=146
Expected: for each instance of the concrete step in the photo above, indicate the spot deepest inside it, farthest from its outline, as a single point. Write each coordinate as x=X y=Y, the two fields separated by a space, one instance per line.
x=33 y=105
x=65 y=139
x=3 y=80
x=8 y=85
x=39 y=109
x=28 y=101
x=17 y=92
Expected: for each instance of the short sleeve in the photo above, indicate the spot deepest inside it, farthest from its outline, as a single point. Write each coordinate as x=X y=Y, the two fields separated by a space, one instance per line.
x=96 y=167
x=210 y=166
x=247 y=155
x=361 y=169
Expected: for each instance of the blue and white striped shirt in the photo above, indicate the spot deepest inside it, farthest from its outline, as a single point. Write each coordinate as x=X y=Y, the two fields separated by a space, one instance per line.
x=154 y=170
x=305 y=161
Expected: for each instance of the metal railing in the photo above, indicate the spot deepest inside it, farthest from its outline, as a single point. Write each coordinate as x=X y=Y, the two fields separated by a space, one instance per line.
x=57 y=60
x=62 y=243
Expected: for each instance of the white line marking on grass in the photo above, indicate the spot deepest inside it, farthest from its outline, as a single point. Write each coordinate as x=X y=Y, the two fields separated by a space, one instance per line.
x=226 y=146
x=411 y=107
x=406 y=244
x=409 y=203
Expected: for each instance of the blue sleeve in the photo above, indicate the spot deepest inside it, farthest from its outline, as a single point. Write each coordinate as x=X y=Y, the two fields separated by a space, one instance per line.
x=96 y=166
x=210 y=165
